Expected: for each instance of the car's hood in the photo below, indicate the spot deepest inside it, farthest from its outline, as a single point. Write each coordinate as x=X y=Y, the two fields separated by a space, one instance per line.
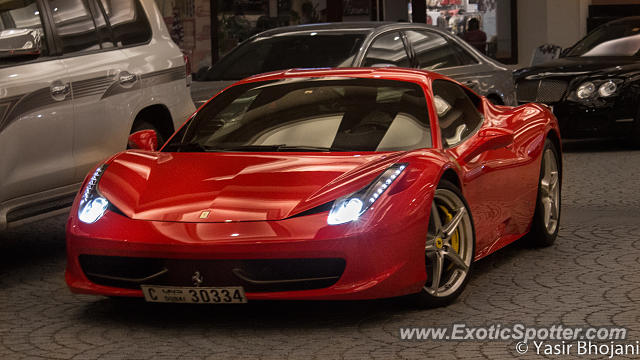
x=233 y=186
x=576 y=66
x=201 y=91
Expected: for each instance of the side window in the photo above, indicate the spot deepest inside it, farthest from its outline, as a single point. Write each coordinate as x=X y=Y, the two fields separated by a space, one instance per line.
x=464 y=56
x=387 y=50
x=21 y=33
x=75 y=26
x=458 y=116
x=433 y=51
x=103 y=31
x=128 y=21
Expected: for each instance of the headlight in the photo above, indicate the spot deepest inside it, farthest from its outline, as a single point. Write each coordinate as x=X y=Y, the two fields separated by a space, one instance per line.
x=349 y=208
x=607 y=89
x=586 y=90
x=92 y=204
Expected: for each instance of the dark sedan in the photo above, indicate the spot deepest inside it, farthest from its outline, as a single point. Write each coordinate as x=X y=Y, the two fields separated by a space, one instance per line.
x=361 y=44
x=594 y=87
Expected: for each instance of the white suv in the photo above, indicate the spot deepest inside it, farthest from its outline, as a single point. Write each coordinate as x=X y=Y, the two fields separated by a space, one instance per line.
x=76 y=78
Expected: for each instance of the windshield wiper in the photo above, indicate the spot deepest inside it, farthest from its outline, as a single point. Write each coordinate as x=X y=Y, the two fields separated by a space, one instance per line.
x=189 y=147
x=282 y=147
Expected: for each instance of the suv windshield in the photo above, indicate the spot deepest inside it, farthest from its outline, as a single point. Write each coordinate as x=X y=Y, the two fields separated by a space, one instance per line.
x=310 y=114
x=617 y=39
x=309 y=50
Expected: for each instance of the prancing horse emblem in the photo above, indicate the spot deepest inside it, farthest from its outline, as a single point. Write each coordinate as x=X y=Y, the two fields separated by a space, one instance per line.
x=197 y=278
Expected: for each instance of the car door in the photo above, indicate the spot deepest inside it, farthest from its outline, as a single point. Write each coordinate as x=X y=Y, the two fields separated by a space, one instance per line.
x=104 y=91
x=36 y=114
x=434 y=52
x=490 y=177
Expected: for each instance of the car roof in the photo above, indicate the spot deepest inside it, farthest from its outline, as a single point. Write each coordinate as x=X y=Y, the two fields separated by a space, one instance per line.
x=364 y=26
x=389 y=73
x=628 y=19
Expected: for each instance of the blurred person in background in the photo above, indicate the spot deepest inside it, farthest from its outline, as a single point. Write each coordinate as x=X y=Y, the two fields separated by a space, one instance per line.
x=474 y=36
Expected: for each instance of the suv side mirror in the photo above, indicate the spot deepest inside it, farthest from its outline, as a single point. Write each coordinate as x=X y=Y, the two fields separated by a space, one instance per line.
x=144 y=140
x=488 y=139
x=20 y=42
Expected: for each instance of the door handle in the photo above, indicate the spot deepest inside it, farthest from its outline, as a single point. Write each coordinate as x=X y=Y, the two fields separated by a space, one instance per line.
x=59 y=91
x=126 y=78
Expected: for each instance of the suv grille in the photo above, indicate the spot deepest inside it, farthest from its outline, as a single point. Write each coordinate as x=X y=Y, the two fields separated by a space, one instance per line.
x=544 y=91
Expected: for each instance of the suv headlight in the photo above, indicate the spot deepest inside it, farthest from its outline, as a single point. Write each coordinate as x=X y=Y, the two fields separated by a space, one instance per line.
x=92 y=204
x=349 y=208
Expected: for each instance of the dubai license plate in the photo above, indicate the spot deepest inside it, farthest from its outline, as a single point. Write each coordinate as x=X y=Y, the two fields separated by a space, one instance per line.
x=194 y=295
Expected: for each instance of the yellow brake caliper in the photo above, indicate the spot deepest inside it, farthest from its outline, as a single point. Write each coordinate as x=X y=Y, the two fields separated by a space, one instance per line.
x=455 y=237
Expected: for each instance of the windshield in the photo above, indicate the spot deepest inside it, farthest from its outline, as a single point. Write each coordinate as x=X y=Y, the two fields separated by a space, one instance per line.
x=309 y=50
x=617 y=39
x=310 y=114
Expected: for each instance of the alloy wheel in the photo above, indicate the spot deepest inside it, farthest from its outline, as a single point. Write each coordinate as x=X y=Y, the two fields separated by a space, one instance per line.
x=550 y=191
x=449 y=245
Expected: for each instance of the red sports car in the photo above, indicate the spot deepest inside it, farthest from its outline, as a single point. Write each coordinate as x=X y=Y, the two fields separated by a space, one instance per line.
x=319 y=184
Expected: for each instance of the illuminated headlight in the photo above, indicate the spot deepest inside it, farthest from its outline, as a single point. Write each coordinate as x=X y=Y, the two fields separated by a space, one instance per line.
x=607 y=89
x=586 y=90
x=351 y=207
x=92 y=204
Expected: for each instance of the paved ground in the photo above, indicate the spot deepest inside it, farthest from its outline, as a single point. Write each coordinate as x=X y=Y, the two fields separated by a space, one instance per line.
x=589 y=278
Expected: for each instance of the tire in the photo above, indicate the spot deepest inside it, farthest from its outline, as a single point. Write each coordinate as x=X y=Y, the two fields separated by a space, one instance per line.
x=546 y=219
x=450 y=246
x=143 y=125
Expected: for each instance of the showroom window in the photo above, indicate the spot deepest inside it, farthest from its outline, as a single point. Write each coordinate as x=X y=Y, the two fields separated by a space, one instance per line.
x=21 y=33
x=75 y=26
x=387 y=50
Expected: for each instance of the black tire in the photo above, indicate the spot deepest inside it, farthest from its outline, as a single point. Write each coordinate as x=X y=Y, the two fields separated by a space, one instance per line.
x=465 y=251
x=143 y=125
x=541 y=234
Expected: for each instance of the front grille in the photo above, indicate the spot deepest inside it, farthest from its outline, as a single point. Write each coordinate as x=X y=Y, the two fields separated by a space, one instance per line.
x=527 y=90
x=255 y=275
x=544 y=91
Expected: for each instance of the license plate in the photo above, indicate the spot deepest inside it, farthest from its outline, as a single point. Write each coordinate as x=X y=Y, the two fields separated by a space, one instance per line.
x=194 y=295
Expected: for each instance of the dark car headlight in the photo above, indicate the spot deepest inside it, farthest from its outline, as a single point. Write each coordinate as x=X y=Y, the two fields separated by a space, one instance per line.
x=592 y=89
x=351 y=207
x=607 y=88
x=92 y=204
x=586 y=90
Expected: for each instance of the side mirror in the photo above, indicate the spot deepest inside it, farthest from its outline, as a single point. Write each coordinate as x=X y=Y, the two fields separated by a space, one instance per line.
x=20 y=42
x=488 y=139
x=144 y=140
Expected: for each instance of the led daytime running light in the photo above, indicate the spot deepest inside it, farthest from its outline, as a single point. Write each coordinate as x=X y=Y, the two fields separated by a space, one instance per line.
x=349 y=208
x=92 y=205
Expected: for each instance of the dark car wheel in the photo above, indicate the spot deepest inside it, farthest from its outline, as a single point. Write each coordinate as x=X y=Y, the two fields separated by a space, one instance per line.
x=449 y=247
x=546 y=219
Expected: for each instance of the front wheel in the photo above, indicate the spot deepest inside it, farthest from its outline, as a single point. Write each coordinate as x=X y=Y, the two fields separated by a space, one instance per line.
x=449 y=247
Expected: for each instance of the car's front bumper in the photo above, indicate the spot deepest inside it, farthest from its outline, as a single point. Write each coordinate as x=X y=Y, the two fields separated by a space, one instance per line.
x=577 y=120
x=371 y=260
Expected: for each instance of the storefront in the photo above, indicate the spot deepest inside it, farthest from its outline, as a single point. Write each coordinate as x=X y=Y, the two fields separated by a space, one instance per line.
x=189 y=21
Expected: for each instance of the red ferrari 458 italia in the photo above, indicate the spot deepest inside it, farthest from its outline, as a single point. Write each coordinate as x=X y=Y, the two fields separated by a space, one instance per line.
x=319 y=184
